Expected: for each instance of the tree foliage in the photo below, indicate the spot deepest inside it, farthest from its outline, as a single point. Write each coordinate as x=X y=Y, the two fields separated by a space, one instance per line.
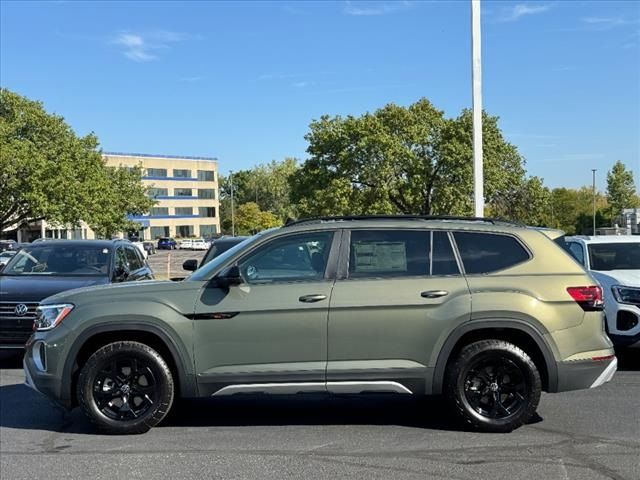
x=621 y=189
x=411 y=160
x=47 y=172
x=249 y=219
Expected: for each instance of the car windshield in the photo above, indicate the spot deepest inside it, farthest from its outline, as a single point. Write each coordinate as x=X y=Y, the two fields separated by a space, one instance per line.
x=65 y=260
x=204 y=273
x=614 y=256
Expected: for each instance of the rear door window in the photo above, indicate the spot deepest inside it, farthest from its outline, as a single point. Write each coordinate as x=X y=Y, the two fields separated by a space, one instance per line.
x=489 y=252
x=443 y=260
x=576 y=251
x=389 y=253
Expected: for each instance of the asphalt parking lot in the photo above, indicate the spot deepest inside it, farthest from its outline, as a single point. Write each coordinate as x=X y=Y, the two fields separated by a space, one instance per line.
x=591 y=434
x=168 y=263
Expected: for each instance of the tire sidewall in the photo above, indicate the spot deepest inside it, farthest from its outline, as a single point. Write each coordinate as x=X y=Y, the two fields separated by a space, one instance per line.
x=160 y=370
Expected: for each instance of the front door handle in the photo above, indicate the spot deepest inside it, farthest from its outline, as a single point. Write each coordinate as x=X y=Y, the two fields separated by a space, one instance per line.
x=312 y=298
x=434 y=294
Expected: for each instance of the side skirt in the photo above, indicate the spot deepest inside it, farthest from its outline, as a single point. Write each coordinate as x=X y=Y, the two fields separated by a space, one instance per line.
x=315 y=387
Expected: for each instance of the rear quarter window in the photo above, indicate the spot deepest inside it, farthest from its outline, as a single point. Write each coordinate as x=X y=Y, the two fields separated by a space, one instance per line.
x=489 y=252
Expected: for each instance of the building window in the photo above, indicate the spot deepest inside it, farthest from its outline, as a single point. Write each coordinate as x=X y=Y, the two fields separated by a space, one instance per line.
x=207 y=211
x=205 y=175
x=159 y=211
x=183 y=192
x=158 y=192
x=184 y=231
x=76 y=234
x=206 y=193
x=179 y=173
x=159 y=232
x=184 y=210
x=156 y=172
x=208 y=230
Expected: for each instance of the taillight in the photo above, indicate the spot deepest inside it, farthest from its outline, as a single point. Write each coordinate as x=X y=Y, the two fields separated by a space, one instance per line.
x=589 y=298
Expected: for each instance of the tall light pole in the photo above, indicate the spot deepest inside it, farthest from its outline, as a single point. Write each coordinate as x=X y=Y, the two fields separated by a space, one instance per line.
x=476 y=80
x=233 y=220
x=593 y=170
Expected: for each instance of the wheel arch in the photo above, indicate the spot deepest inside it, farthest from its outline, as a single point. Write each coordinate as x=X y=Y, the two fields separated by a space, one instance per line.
x=154 y=336
x=519 y=333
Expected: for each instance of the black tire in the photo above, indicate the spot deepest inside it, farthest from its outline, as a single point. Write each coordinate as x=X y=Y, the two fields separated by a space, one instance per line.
x=125 y=388
x=493 y=386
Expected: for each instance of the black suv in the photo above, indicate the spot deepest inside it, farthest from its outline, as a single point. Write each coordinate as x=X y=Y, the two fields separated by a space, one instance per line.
x=42 y=269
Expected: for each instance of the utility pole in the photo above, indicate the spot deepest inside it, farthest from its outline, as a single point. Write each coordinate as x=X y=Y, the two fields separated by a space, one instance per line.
x=233 y=220
x=593 y=170
x=476 y=80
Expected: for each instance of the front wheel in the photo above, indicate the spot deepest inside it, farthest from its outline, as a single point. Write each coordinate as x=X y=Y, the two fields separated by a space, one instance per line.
x=125 y=387
x=493 y=385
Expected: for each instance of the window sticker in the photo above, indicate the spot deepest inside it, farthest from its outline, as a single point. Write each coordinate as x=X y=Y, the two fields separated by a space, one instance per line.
x=380 y=257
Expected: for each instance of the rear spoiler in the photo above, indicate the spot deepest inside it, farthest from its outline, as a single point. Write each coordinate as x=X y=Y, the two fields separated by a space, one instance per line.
x=552 y=233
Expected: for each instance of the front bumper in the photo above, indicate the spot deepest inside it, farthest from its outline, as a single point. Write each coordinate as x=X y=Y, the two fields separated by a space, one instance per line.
x=581 y=374
x=41 y=375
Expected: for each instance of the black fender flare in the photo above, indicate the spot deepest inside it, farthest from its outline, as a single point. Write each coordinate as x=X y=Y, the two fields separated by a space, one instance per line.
x=176 y=348
x=460 y=331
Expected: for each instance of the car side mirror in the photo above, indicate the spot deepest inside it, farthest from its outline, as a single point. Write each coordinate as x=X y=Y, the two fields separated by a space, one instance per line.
x=230 y=277
x=190 y=265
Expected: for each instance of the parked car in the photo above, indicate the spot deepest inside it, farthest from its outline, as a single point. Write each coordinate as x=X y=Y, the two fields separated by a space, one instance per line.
x=186 y=244
x=140 y=246
x=149 y=247
x=42 y=269
x=8 y=245
x=5 y=256
x=488 y=313
x=218 y=246
x=200 y=244
x=614 y=261
x=167 y=243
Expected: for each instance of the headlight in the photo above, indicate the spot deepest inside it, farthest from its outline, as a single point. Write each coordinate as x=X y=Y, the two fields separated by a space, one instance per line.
x=629 y=295
x=48 y=316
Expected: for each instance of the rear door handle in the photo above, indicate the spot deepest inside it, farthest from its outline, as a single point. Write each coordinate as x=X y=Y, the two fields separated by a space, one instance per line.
x=312 y=298
x=434 y=294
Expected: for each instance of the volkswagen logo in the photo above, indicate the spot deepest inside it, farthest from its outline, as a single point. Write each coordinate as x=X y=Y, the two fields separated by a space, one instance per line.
x=21 y=310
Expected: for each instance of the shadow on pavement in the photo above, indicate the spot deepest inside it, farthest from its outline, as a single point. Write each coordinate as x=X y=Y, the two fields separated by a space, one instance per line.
x=23 y=408
x=628 y=359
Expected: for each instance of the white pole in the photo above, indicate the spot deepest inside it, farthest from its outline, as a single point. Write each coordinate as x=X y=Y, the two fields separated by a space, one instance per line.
x=476 y=47
x=233 y=220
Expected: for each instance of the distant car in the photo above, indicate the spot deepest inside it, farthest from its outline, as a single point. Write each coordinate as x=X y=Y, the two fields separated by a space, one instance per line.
x=167 y=243
x=149 y=247
x=200 y=244
x=8 y=245
x=614 y=261
x=186 y=244
x=218 y=246
x=42 y=269
x=5 y=257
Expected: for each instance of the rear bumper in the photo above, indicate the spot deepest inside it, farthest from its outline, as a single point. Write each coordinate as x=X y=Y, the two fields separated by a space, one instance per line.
x=578 y=375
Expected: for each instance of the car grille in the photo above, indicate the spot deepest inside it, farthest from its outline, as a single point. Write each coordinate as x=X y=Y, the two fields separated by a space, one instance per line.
x=14 y=328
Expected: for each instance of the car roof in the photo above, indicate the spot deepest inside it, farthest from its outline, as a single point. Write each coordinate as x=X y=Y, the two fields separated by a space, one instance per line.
x=407 y=221
x=605 y=238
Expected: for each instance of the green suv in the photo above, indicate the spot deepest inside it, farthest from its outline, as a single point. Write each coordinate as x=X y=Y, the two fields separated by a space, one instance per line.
x=485 y=312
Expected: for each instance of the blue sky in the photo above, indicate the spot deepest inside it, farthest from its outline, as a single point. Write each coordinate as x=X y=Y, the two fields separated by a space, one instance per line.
x=242 y=80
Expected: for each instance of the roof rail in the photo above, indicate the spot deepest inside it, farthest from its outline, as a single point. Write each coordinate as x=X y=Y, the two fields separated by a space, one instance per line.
x=493 y=221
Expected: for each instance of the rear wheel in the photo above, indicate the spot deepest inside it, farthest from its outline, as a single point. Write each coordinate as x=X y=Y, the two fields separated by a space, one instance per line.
x=125 y=387
x=493 y=385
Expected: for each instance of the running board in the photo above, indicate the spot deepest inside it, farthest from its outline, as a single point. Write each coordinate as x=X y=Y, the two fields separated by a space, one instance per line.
x=314 y=387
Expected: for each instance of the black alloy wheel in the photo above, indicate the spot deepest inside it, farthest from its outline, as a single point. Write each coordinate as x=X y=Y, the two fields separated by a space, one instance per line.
x=493 y=385
x=125 y=387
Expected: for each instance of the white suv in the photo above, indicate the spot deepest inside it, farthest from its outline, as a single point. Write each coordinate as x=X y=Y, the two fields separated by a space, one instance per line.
x=614 y=261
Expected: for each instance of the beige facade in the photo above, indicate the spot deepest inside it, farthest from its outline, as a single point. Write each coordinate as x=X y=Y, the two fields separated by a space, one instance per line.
x=186 y=189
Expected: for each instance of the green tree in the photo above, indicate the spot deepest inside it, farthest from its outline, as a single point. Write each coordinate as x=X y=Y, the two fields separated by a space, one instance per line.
x=47 y=172
x=249 y=219
x=621 y=190
x=571 y=210
x=411 y=160
x=266 y=185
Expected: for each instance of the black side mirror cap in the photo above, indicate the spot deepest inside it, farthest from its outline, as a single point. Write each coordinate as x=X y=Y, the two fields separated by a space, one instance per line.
x=230 y=277
x=190 y=265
